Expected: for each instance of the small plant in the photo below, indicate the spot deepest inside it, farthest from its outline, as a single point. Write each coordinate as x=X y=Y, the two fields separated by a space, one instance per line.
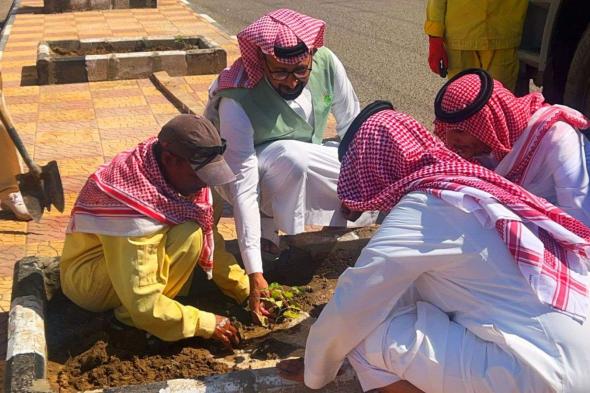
x=281 y=304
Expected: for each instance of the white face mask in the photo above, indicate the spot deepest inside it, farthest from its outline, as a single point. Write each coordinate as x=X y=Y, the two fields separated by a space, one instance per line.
x=487 y=160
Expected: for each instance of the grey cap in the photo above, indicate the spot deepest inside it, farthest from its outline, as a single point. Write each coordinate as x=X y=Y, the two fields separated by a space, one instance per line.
x=196 y=139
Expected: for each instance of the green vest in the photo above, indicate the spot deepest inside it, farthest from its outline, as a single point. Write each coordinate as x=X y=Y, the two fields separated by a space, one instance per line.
x=273 y=119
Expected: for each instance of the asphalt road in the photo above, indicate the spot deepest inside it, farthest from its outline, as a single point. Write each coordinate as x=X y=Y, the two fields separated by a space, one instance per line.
x=380 y=42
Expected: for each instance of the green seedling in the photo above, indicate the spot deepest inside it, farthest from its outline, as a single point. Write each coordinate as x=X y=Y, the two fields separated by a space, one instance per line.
x=281 y=304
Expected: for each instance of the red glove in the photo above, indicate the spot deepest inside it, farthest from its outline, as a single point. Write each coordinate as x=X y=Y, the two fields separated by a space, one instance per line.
x=437 y=54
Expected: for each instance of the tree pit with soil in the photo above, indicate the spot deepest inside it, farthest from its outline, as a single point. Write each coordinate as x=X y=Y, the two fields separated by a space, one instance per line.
x=91 y=350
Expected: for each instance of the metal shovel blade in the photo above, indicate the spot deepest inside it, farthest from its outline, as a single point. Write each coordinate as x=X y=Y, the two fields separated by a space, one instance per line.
x=41 y=191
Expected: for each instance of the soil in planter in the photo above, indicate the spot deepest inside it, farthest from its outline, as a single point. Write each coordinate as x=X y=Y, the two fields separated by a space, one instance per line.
x=89 y=350
x=104 y=49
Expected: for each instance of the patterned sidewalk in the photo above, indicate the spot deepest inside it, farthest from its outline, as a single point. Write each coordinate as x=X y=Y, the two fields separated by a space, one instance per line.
x=84 y=125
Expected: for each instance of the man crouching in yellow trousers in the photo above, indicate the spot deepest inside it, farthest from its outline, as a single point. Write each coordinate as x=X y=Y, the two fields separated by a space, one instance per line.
x=142 y=223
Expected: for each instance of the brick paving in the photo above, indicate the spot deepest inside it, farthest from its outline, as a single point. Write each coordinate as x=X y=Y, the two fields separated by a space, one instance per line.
x=84 y=125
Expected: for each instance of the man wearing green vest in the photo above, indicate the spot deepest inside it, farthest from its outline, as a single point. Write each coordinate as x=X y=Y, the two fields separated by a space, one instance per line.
x=272 y=106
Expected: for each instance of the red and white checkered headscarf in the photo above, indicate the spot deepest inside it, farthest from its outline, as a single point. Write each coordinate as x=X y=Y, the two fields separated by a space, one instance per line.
x=283 y=28
x=132 y=186
x=503 y=118
x=393 y=155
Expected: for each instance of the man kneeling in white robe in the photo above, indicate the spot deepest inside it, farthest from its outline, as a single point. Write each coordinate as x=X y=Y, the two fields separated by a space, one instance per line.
x=471 y=284
x=272 y=107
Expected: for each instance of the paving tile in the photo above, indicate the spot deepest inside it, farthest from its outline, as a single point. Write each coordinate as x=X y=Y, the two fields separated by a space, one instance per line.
x=123 y=111
x=11 y=75
x=28 y=62
x=73 y=184
x=10 y=254
x=24 y=117
x=7 y=269
x=65 y=125
x=11 y=84
x=49 y=248
x=65 y=96
x=19 y=46
x=88 y=26
x=124 y=84
x=13 y=238
x=119 y=102
x=129 y=132
x=25 y=128
x=156 y=99
x=67 y=115
x=150 y=91
x=89 y=135
x=61 y=36
x=21 y=91
x=72 y=149
x=126 y=91
x=126 y=122
x=113 y=147
x=23 y=108
x=165 y=108
x=79 y=166
x=5 y=297
x=13 y=227
x=70 y=87
x=50 y=229
x=28 y=139
x=165 y=118
x=95 y=34
x=66 y=105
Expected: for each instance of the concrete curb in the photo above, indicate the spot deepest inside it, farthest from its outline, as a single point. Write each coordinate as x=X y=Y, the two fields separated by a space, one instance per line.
x=26 y=353
x=129 y=58
x=179 y=95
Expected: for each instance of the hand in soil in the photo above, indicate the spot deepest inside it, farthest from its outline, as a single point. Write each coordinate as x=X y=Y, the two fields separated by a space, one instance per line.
x=292 y=369
x=258 y=290
x=225 y=332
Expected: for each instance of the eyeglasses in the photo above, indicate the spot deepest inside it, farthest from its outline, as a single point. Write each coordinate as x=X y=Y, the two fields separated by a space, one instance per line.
x=208 y=153
x=300 y=73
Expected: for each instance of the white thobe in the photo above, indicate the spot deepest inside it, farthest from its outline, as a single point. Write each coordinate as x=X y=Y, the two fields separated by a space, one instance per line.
x=471 y=324
x=558 y=170
x=290 y=182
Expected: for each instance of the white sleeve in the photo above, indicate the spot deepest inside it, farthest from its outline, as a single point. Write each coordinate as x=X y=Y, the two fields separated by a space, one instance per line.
x=236 y=129
x=366 y=294
x=345 y=104
x=570 y=171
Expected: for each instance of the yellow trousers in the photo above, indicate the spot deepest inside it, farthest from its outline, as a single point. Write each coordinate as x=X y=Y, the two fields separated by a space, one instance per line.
x=502 y=64
x=139 y=277
x=9 y=165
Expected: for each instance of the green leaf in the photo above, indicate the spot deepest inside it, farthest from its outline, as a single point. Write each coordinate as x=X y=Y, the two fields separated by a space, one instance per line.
x=290 y=314
x=276 y=294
